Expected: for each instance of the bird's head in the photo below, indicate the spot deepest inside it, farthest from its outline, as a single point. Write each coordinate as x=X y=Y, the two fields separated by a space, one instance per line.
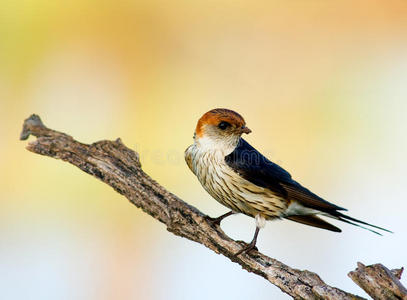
x=220 y=128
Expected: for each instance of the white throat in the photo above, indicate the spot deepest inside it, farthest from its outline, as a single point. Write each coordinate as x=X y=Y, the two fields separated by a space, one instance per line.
x=216 y=145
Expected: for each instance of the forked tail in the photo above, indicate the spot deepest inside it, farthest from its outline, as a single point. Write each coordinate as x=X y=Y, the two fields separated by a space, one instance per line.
x=344 y=218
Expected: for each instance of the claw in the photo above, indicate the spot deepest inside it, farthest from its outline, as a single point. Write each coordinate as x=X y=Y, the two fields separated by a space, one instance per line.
x=216 y=221
x=250 y=246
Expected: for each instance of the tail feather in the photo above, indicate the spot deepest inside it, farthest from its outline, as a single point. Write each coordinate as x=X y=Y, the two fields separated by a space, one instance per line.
x=344 y=218
x=313 y=220
x=358 y=225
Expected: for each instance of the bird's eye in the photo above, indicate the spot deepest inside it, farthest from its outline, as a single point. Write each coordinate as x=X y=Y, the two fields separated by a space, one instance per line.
x=223 y=125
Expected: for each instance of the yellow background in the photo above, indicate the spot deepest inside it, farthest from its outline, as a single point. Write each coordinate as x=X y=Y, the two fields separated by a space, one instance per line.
x=322 y=84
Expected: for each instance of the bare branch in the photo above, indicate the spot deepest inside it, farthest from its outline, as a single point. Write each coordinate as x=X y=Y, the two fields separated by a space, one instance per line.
x=118 y=166
x=379 y=282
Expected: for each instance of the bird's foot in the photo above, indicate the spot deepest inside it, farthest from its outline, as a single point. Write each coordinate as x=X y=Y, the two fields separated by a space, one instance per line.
x=216 y=221
x=247 y=248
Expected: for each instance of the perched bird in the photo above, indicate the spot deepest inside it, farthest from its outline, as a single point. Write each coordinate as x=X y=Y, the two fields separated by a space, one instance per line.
x=242 y=179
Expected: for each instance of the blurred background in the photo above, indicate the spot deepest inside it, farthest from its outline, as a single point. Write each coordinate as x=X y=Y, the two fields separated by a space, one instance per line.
x=322 y=84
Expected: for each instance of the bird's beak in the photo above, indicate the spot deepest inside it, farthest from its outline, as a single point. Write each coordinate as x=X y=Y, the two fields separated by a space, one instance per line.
x=246 y=130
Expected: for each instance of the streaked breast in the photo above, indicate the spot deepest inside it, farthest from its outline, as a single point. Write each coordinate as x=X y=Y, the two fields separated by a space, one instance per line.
x=229 y=188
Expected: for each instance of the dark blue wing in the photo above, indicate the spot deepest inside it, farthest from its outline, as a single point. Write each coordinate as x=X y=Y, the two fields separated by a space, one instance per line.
x=256 y=168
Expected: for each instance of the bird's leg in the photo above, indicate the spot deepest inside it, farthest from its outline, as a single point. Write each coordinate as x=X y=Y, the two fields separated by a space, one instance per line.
x=219 y=219
x=260 y=223
x=252 y=244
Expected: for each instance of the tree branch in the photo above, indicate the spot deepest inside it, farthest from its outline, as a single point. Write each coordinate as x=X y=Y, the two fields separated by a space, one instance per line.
x=118 y=166
x=379 y=282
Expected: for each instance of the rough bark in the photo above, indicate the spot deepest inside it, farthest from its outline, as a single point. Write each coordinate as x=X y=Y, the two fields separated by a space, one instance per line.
x=379 y=282
x=118 y=166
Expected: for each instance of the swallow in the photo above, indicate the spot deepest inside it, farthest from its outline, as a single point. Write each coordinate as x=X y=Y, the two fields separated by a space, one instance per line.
x=242 y=179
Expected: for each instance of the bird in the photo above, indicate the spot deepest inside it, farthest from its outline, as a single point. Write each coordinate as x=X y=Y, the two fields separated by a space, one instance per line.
x=239 y=177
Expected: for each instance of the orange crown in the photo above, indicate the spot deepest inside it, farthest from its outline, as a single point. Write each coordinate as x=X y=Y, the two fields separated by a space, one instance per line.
x=217 y=115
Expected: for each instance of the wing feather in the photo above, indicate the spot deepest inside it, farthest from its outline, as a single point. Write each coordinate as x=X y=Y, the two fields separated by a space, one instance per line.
x=256 y=168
